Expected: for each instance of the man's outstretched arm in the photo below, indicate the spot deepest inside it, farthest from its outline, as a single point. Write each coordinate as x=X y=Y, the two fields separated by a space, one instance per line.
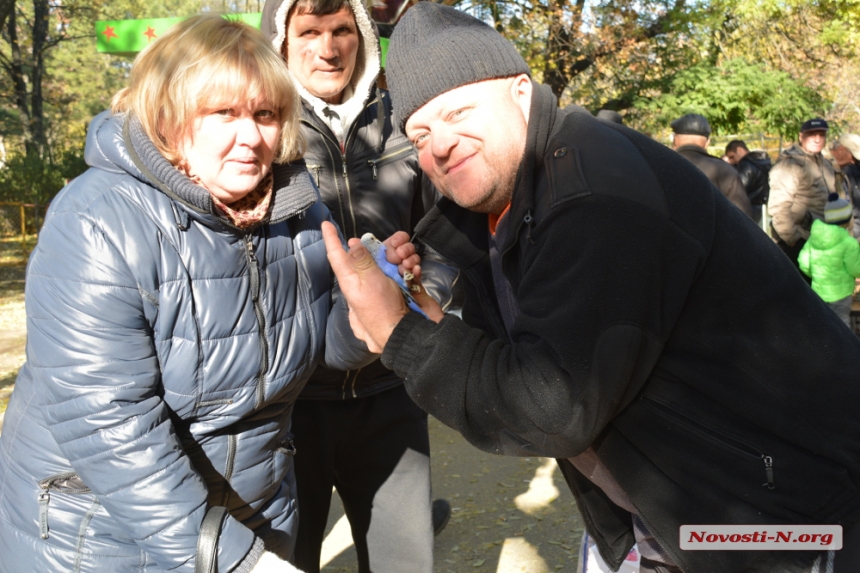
x=579 y=350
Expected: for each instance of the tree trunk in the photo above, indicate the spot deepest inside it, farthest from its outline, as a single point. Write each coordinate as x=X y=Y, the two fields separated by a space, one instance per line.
x=27 y=76
x=41 y=14
x=562 y=50
x=6 y=7
x=15 y=68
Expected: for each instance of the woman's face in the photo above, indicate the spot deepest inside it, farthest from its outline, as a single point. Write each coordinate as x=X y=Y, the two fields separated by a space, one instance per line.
x=231 y=148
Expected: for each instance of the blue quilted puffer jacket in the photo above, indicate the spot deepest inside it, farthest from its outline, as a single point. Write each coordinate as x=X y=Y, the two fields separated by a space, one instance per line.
x=165 y=350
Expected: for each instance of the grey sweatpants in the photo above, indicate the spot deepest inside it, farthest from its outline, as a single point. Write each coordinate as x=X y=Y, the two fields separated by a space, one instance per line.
x=842 y=308
x=376 y=452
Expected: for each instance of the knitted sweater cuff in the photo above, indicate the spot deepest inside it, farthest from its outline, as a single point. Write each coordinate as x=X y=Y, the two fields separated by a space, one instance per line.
x=399 y=354
x=247 y=564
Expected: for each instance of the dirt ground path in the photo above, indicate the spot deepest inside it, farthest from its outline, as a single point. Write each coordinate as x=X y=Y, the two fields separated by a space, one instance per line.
x=13 y=324
x=511 y=515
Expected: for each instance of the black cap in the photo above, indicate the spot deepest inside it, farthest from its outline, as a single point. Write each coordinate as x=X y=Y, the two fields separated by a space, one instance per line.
x=609 y=115
x=813 y=125
x=692 y=124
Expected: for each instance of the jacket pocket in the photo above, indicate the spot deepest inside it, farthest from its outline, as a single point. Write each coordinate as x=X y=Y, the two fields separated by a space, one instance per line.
x=283 y=459
x=315 y=172
x=389 y=156
x=754 y=466
x=740 y=447
x=68 y=483
x=286 y=446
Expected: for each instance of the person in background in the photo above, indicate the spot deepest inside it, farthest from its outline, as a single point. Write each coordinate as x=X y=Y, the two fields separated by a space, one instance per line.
x=723 y=392
x=358 y=430
x=611 y=116
x=831 y=257
x=177 y=301
x=846 y=151
x=800 y=182
x=753 y=168
x=692 y=133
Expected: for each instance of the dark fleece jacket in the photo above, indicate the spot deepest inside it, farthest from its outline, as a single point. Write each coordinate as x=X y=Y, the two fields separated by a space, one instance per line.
x=659 y=326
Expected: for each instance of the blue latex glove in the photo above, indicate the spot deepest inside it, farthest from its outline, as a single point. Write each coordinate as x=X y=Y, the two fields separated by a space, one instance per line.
x=377 y=250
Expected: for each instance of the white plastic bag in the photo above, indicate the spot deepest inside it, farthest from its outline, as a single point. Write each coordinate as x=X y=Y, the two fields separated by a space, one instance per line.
x=590 y=560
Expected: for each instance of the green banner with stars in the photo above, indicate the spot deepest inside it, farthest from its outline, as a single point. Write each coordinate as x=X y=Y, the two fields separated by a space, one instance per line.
x=127 y=37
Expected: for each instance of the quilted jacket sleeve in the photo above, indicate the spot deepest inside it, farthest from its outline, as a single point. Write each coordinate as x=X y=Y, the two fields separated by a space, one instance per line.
x=851 y=258
x=92 y=352
x=343 y=351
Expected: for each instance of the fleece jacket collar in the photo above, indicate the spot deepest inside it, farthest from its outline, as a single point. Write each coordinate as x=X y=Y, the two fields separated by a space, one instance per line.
x=542 y=117
x=446 y=217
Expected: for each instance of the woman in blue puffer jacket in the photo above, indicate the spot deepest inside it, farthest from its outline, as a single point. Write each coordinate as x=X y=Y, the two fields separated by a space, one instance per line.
x=177 y=301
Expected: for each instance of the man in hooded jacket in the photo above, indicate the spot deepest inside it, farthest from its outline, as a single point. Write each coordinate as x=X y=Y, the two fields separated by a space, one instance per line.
x=358 y=430
x=753 y=168
x=800 y=182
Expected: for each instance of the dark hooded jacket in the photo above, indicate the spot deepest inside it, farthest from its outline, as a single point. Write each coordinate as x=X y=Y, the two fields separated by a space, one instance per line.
x=753 y=169
x=165 y=349
x=851 y=177
x=651 y=328
x=371 y=185
x=721 y=174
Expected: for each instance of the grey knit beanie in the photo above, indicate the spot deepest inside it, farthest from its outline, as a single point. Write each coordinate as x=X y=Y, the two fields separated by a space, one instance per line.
x=837 y=211
x=436 y=48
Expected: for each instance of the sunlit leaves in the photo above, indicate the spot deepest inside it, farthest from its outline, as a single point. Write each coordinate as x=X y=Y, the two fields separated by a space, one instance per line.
x=735 y=96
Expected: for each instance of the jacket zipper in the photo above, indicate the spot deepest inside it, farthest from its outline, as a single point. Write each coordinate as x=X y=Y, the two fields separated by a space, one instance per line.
x=374 y=163
x=820 y=165
x=727 y=441
x=345 y=384
x=351 y=132
x=344 y=170
x=228 y=468
x=354 y=381
x=328 y=139
x=253 y=266
x=50 y=484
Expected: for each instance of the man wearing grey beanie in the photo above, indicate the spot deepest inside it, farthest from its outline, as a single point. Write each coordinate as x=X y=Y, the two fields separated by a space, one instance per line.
x=629 y=323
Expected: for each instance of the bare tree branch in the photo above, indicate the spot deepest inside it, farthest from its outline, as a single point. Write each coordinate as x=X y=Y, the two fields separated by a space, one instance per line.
x=6 y=7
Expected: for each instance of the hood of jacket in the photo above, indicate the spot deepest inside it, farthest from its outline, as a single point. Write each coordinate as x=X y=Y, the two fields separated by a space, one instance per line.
x=118 y=144
x=825 y=236
x=759 y=158
x=797 y=152
x=274 y=27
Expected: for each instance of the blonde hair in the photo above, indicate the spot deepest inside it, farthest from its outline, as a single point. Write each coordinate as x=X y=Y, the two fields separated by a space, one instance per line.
x=206 y=62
